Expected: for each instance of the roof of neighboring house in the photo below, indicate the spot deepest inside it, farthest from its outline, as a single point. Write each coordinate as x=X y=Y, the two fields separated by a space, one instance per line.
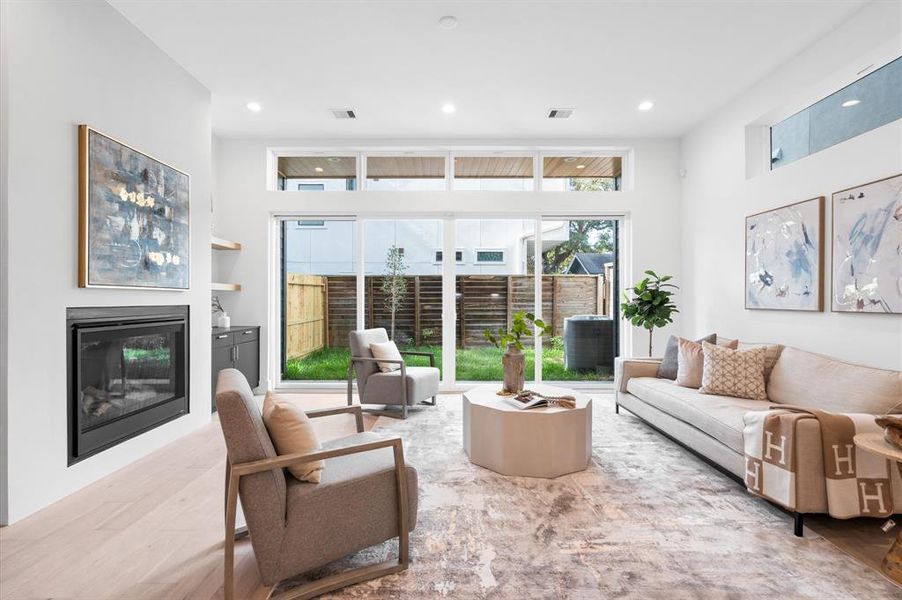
x=590 y=262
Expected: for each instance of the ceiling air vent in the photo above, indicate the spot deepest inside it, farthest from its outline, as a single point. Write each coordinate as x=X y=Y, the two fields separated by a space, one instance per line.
x=560 y=113
x=343 y=113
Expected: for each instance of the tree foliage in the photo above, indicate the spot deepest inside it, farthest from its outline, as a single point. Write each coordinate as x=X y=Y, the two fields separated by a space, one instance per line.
x=596 y=237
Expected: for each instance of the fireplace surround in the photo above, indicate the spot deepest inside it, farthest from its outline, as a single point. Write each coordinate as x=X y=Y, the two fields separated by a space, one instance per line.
x=127 y=373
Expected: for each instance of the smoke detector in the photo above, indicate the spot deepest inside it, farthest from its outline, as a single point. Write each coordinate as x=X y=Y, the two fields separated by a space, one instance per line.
x=560 y=113
x=343 y=113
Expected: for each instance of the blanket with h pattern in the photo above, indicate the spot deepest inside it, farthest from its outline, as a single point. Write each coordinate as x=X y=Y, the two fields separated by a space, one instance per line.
x=859 y=483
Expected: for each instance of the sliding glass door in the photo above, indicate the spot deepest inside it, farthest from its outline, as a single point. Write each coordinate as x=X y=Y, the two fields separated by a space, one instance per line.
x=403 y=283
x=439 y=292
x=493 y=282
x=318 y=297
x=579 y=264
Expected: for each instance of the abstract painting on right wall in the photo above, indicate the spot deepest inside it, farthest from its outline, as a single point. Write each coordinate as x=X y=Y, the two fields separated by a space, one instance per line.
x=867 y=248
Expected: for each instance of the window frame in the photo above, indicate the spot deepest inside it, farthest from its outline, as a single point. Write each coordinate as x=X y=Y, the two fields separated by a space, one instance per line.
x=836 y=88
x=479 y=249
x=537 y=153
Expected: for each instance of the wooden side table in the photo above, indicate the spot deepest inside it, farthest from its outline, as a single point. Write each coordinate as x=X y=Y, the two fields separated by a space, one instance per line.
x=874 y=442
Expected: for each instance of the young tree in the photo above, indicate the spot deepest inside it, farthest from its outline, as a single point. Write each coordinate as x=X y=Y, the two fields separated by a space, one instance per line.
x=394 y=284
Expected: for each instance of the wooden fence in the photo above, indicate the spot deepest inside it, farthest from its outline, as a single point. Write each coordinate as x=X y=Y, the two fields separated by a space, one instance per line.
x=483 y=302
x=306 y=316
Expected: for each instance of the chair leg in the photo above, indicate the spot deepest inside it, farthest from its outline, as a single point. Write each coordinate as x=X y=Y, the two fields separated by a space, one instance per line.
x=798 y=524
x=616 y=408
x=430 y=403
x=404 y=411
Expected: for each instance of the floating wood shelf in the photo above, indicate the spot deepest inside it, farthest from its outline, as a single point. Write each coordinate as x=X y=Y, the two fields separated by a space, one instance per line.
x=221 y=244
x=225 y=287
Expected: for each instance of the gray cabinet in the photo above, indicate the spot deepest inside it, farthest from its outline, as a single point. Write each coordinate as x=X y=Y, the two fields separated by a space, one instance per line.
x=236 y=348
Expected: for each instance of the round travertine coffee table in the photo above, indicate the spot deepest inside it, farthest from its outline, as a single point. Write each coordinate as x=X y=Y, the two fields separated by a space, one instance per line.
x=538 y=442
x=874 y=442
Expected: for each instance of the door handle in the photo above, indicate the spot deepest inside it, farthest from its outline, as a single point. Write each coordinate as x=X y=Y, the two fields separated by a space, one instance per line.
x=237 y=353
x=248 y=332
x=223 y=336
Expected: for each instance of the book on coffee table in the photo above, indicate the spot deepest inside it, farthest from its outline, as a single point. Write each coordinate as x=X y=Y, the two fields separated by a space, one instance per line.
x=528 y=399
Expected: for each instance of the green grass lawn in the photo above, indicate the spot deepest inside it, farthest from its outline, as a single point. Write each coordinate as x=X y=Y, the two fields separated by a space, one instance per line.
x=473 y=364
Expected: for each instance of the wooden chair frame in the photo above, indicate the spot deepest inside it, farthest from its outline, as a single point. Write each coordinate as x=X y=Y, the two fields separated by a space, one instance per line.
x=339 y=580
x=403 y=378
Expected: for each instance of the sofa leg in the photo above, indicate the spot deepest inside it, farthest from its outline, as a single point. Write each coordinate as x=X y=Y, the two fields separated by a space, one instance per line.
x=616 y=408
x=798 y=523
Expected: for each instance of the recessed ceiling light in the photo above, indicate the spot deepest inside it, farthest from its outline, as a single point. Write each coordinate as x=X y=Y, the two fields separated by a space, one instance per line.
x=334 y=159
x=570 y=159
x=646 y=105
x=448 y=108
x=254 y=106
x=849 y=103
x=447 y=22
x=318 y=169
x=580 y=166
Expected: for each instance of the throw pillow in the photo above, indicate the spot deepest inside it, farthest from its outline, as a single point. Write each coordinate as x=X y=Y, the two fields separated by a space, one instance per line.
x=670 y=363
x=727 y=343
x=690 y=363
x=292 y=432
x=771 y=354
x=387 y=351
x=737 y=373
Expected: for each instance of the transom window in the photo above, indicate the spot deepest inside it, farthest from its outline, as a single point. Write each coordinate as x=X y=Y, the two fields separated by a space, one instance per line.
x=870 y=102
x=416 y=170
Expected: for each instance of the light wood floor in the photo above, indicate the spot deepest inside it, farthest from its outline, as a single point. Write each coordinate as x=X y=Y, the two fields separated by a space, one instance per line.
x=151 y=530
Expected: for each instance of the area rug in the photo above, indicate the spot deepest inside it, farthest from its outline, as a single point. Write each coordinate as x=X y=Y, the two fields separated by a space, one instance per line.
x=647 y=519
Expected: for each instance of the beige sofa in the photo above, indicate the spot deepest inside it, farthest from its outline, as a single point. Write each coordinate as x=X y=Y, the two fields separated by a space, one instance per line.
x=711 y=426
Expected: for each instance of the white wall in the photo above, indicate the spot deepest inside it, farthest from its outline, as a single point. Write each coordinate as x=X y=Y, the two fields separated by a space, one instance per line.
x=717 y=195
x=71 y=63
x=330 y=249
x=243 y=208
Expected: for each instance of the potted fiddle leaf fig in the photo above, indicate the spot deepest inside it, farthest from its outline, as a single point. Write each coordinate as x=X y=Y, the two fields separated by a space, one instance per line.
x=514 y=361
x=649 y=304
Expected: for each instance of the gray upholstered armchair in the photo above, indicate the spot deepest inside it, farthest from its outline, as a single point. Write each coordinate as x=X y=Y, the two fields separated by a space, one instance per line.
x=376 y=387
x=367 y=495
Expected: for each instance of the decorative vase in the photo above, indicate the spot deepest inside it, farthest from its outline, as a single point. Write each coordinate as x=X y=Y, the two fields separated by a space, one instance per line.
x=513 y=362
x=224 y=321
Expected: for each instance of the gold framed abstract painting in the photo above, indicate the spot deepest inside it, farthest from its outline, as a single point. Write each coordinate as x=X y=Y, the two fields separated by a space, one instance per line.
x=133 y=218
x=867 y=248
x=784 y=257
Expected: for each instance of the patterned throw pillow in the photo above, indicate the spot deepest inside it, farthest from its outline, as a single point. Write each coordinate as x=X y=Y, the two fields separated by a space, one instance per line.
x=737 y=373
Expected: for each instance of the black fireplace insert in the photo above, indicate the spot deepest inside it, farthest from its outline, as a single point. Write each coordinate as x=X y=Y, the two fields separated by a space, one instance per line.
x=128 y=373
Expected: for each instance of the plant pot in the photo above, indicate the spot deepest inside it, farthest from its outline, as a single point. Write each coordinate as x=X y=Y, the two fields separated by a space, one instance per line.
x=514 y=363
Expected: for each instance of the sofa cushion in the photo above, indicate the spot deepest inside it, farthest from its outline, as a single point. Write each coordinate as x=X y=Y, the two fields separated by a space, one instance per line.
x=292 y=433
x=386 y=351
x=718 y=416
x=816 y=381
x=691 y=361
x=668 y=367
x=385 y=388
x=354 y=506
x=738 y=373
x=771 y=354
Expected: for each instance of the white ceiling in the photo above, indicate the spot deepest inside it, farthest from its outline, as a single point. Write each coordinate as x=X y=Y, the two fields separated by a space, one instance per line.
x=503 y=67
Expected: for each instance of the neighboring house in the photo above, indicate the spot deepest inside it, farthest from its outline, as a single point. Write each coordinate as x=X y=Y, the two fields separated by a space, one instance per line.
x=488 y=246
x=588 y=263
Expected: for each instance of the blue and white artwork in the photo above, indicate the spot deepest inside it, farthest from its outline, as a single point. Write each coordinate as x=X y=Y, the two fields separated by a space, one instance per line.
x=784 y=257
x=134 y=217
x=867 y=248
